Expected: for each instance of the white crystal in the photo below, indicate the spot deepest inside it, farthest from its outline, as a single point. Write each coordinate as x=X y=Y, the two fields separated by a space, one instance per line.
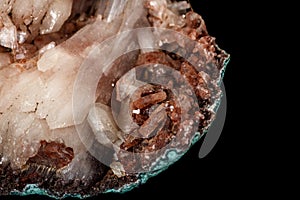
x=118 y=169
x=47 y=47
x=8 y=32
x=36 y=104
x=57 y=14
x=102 y=123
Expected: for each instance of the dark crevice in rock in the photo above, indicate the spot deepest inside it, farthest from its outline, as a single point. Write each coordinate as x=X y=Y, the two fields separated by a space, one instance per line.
x=46 y=168
x=52 y=154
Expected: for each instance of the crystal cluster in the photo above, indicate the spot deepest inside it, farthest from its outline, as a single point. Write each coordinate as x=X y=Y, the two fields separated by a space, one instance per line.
x=60 y=137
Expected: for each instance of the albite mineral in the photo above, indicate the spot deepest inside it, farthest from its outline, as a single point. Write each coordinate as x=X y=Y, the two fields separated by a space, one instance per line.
x=50 y=147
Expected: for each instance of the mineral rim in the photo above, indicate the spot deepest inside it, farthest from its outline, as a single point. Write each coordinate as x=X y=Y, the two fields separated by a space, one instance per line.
x=148 y=106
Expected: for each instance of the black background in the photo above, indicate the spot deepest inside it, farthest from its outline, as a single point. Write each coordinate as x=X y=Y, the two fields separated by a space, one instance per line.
x=224 y=170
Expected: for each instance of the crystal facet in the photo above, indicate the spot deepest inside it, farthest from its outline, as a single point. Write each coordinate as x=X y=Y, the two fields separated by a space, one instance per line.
x=100 y=95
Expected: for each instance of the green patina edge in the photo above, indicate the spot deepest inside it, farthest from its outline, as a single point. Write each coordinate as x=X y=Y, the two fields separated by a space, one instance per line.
x=29 y=190
x=33 y=189
x=176 y=156
x=171 y=157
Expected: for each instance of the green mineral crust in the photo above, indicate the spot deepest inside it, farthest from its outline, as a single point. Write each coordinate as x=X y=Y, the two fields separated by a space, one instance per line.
x=98 y=96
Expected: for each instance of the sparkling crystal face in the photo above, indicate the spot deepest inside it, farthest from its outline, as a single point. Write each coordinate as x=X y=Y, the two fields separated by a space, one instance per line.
x=98 y=96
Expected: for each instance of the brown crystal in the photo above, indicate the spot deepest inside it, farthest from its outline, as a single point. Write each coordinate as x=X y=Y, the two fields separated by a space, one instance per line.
x=38 y=68
x=53 y=154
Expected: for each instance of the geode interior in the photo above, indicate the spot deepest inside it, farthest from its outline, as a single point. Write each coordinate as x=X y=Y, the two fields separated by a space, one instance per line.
x=57 y=139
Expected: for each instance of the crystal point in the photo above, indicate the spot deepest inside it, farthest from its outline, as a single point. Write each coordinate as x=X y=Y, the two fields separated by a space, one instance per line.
x=98 y=96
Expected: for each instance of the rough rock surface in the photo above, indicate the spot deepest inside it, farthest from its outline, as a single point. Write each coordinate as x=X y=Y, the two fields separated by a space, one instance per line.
x=44 y=43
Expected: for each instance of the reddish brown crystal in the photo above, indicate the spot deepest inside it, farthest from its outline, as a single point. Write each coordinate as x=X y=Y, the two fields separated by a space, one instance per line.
x=53 y=154
x=160 y=117
x=196 y=81
x=150 y=99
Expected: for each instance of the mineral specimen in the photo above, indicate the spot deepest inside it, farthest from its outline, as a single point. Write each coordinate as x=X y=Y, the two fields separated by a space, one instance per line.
x=100 y=95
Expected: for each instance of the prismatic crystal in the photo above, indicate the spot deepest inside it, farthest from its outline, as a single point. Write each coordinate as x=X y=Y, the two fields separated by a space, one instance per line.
x=100 y=95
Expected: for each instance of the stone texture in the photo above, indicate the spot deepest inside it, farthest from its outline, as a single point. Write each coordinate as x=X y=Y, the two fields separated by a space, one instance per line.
x=43 y=45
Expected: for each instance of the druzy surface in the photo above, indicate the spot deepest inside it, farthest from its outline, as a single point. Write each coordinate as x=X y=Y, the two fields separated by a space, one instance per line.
x=100 y=95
